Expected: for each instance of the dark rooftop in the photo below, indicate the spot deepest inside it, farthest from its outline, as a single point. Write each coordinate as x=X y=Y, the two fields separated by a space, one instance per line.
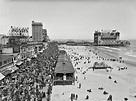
x=36 y=23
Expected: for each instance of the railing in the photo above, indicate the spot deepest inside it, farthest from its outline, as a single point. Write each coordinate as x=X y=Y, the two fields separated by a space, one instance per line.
x=61 y=78
x=62 y=82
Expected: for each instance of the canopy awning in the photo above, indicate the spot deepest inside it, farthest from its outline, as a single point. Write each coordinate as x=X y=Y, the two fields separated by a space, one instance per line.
x=64 y=58
x=14 y=68
x=19 y=63
x=64 y=67
x=1 y=76
x=9 y=70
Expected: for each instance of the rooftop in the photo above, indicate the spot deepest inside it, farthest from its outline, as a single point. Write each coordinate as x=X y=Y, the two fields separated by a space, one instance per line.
x=107 y=31
x=36 y=23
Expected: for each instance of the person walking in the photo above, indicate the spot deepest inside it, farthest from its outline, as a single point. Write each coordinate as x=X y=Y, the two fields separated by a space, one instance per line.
x=76 y=97
x=87 y=97
x=71 y=96
x=79 y=85
x=109 y=98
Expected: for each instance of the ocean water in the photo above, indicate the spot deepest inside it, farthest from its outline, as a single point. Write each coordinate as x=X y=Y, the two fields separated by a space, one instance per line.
x=127 y=53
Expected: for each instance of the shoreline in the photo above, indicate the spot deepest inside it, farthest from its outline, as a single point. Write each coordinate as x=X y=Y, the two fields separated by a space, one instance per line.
x=113 y=55
x=124 y=88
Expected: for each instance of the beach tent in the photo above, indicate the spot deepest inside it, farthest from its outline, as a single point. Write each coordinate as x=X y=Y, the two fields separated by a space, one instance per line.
x=1 y=76
x=100 y=65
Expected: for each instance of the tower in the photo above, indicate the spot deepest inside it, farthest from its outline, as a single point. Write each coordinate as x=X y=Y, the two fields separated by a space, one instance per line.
x=97 y=36
x=37 y=34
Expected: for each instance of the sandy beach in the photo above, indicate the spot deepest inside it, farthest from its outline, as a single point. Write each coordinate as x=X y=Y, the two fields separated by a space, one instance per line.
x=125 y=87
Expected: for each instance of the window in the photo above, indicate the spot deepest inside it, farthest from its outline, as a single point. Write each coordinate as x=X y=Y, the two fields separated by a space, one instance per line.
x=5 y=62
x=9 y=60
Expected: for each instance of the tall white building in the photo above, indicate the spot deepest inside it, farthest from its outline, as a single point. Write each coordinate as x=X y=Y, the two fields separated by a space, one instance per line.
x=37 y=28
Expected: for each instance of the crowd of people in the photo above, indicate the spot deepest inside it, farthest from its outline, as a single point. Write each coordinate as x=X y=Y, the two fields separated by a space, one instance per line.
x=27 y=83
x=78 y=58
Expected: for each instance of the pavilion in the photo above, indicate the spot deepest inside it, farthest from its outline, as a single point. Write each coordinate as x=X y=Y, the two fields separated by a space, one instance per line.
x=64 y=71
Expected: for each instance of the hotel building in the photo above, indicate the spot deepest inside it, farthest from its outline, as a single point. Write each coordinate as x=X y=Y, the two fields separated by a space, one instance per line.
x=108 y=38
x=37 y=31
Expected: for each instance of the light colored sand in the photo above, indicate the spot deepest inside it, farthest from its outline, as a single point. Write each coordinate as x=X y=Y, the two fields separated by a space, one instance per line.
x=125 y=87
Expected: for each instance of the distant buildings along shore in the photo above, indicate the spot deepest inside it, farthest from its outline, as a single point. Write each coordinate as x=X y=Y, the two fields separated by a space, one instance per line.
x=109 y=38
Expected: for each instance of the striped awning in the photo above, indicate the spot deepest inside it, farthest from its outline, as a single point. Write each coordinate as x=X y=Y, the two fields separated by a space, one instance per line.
x=9 y=70
x=19 y=63
x=1 y=76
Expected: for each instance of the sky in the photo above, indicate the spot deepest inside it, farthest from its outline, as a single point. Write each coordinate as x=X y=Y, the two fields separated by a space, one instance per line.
x=71 y=19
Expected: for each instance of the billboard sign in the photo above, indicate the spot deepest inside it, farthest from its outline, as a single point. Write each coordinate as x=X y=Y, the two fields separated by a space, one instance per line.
x=19 y=31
